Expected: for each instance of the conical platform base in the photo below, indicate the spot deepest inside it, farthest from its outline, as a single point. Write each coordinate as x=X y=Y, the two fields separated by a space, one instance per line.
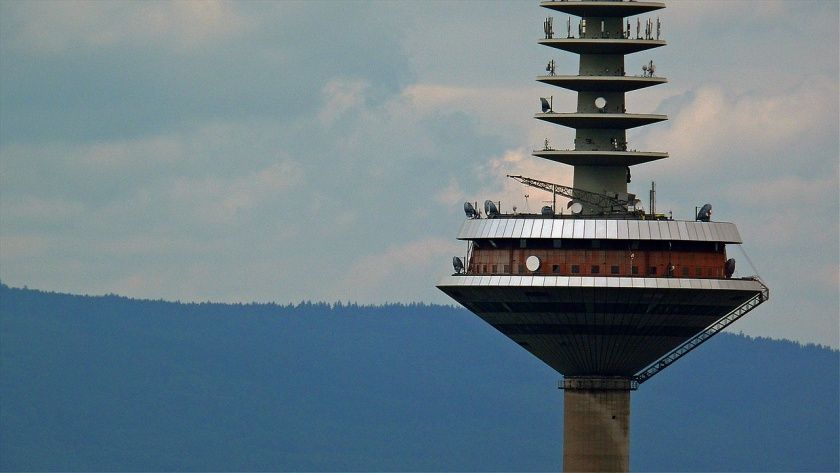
x=588 y=326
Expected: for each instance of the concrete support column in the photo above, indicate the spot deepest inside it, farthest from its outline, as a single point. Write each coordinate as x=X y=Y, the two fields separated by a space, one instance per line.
x=596 y=430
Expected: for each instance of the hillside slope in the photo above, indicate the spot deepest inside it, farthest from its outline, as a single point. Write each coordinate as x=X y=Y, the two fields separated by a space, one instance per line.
x=109 y=383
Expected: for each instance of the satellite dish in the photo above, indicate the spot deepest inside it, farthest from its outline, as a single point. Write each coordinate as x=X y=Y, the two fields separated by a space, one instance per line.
x=576 y=207
x=532 y=263
x=457 y=264
x=470 y=210
x=490 y=209
x=705 y=213
x=729 y=267
x=547 y=210
x=545 y=105
x=600 y=103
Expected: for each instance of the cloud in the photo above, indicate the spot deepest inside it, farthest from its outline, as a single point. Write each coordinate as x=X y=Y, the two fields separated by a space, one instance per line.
x=55 y=27
x=216 y=200
x=23 y=247
x=383 y=276
x=520 y=162
x=506 y=111
x=44 y=211
x=340 y=96
x=716 y=124
x=452 y=193
x=697 y=14
x=223 y=150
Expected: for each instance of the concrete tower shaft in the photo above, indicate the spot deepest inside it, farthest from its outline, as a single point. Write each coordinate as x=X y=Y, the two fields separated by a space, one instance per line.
x=596 y=430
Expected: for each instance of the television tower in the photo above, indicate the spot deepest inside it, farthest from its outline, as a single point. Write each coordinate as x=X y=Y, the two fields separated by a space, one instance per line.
x=607 y=294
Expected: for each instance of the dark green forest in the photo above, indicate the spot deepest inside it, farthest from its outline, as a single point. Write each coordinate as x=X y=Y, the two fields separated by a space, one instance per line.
x=111 y=383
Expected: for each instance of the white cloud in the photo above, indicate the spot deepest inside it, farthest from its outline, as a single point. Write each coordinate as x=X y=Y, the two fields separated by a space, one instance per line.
x=120 y=155
x=497 y=110
x=340 y=96
x=218 y=200
x=716 y=125
x=512 y=193
x=383 y=276
x=55 y=27
x=452 y=193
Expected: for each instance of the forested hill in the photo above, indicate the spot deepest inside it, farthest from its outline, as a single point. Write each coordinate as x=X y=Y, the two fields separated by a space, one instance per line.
x=110 y=383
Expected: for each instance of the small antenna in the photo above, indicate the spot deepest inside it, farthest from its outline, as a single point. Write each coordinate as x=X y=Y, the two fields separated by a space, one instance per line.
x=653 y=198
x=648 y=69
x=548 y=27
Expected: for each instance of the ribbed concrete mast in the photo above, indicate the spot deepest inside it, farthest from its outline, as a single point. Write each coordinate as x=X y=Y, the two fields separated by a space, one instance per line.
x=602 y=37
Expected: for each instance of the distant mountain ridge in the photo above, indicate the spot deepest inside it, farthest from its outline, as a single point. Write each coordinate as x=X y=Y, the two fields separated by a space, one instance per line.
x=111 y=383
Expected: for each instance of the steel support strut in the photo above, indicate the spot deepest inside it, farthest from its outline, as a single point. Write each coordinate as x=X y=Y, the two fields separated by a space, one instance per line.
x=706 y=334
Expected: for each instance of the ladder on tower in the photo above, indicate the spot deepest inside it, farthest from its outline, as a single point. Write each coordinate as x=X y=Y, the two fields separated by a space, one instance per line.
x=706 y=334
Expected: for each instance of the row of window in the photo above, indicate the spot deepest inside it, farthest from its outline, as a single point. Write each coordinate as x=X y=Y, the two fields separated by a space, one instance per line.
x=684 y=271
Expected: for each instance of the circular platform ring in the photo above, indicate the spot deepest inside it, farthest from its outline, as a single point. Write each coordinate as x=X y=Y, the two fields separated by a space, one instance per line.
x=532 y=263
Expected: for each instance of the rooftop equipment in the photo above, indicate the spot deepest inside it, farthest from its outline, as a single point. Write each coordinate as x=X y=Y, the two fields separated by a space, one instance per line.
x=470 y=210
x=490 y=209
x=705 y=213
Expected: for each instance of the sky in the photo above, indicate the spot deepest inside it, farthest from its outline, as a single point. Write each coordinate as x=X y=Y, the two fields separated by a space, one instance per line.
x=289 y=151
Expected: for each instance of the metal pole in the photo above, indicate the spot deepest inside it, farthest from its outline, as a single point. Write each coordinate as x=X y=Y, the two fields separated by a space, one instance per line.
x=653 y=199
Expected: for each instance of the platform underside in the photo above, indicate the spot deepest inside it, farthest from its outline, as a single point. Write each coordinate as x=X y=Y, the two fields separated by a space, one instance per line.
x=601 y=45
x=602 y=83
x=600 y=158
x=616 y=121
x=605 y=9
x=581 y=330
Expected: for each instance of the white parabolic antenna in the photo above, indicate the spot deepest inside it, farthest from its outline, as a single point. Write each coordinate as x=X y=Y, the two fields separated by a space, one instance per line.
x=532 y=263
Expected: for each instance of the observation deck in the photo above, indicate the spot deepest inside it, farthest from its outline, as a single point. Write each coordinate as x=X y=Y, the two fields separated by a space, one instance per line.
x=602 y=83
x=605 y=296
x=602 y=45
x=621 y=121
x=601 y=8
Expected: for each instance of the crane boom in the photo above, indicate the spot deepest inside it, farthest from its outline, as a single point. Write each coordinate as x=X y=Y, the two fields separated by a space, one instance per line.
x=602 y=203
